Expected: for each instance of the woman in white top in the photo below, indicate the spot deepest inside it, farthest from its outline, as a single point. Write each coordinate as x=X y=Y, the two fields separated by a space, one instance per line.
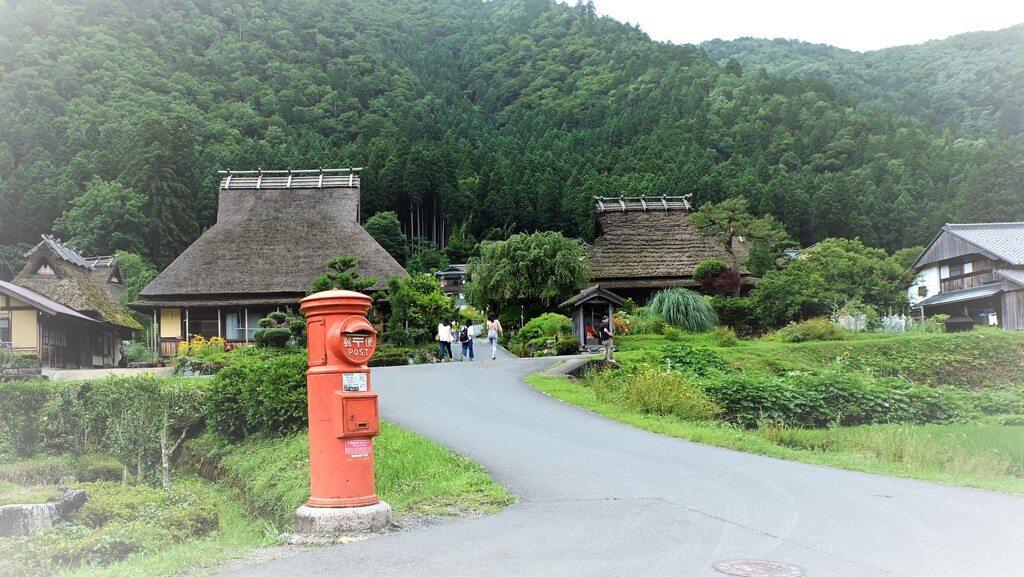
x=493 y=330
x=445 y=338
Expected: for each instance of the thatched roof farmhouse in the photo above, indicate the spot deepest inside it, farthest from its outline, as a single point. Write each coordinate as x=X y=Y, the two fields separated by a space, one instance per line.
x=274 y=234
x=646 y=244
x=64 y=307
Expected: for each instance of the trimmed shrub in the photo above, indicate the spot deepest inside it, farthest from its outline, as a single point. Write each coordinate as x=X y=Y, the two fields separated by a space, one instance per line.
x=275 y=337
x=567 y=345
x=710 y=267
x=734 y=312
x=536 y=333
x=93 y=467
x=389 y=356
x=42 y=471
x=21 y=411
x=18 y=360
x=258 y=394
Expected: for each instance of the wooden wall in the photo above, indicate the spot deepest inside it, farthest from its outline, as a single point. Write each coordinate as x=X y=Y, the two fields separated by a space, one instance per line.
x=1013 y=309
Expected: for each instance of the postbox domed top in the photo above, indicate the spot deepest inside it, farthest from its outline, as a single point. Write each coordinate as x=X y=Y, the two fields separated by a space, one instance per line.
x=336 y=293
x=336 y=301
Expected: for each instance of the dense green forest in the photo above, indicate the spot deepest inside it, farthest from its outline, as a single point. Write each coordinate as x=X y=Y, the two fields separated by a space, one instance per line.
x=967 y=82
x=485 y=119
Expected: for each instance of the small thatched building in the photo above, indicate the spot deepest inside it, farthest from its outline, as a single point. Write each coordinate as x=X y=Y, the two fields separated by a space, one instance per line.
x=64 y=307
x=644 y=245
x=274 y=234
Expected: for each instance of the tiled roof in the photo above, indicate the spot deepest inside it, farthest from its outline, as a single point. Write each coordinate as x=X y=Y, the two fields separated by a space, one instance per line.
x=1012 y=275
x=962 y=295
x=63 y=251
x=1002 y=239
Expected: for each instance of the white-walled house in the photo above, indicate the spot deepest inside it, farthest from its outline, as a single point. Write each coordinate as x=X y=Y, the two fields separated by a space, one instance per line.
x=975 y=270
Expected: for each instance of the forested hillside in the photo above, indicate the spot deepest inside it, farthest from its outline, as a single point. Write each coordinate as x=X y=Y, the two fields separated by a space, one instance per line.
x=480 y=118
x=967 y=82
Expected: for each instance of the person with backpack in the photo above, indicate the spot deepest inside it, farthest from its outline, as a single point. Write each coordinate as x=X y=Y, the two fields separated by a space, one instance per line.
x=466 y=338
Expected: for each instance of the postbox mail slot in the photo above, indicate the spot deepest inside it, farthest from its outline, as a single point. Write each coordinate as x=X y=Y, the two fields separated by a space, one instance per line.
x=356 y=415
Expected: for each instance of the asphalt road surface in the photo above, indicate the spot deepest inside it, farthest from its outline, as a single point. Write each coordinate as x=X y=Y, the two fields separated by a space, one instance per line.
x=600 y=498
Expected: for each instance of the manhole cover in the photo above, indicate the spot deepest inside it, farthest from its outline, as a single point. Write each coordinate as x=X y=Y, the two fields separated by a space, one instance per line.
x=748 y=568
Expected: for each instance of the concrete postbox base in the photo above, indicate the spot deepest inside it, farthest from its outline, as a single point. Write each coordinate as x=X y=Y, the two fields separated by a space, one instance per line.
x=320 y=525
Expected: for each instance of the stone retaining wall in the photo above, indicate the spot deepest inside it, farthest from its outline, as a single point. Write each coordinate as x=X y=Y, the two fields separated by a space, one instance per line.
x=28 y=374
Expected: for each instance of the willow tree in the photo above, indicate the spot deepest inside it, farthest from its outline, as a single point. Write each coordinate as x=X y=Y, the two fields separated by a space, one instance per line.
x=543 y=268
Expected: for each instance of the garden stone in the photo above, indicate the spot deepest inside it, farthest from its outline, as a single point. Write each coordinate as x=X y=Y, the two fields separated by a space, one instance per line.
x=16 y=520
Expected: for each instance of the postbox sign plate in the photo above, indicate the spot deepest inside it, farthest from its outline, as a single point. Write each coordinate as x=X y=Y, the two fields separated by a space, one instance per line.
x=353 y=382
x=358 y=447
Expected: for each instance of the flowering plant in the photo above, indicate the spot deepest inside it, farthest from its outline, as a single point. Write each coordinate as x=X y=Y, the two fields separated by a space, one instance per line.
x=636 y=323
x=621 y=324
x=198 y=346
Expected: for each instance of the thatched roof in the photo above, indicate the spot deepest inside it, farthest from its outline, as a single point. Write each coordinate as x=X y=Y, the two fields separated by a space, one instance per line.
x=271 y=242
x=652 y=247
x=41 y=302
x=58 y=272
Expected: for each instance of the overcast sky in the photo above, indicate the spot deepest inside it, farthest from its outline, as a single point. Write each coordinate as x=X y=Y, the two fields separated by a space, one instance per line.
x=860 y=25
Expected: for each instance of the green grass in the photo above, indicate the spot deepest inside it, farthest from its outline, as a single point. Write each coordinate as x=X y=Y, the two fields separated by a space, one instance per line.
x=421 y=477
x=11 y=494
x=413 y=475
x=980 y=359
x=263 y=481
x=965 y=455
x=237 y=534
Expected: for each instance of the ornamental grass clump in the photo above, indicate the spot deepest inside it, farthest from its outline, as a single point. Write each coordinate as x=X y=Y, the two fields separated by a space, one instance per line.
x=684 y=309
x=660 y=393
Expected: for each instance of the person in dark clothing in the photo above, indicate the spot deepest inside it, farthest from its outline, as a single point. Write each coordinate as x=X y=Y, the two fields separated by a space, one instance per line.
x=604 y=332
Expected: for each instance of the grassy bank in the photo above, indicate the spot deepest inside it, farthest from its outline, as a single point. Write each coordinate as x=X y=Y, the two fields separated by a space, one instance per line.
x=978 y=379
x=260 y=483
x=413 y=475
x=965 y=455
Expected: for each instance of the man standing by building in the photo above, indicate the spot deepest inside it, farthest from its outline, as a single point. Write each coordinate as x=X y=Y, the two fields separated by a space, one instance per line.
x=604 y=332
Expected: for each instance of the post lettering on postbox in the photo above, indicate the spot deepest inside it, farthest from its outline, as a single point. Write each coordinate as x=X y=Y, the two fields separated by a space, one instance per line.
x=358 y=348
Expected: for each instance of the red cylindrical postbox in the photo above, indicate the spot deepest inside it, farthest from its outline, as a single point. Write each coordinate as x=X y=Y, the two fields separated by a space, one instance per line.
x=342 y=409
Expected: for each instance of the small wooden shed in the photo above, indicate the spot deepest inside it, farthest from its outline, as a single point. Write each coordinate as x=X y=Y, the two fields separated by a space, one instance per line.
x=587 y=308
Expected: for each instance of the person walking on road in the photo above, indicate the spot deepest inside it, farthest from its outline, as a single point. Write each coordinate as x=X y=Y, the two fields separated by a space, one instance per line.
x=466 y=338
x=604 y=332
x=444 y=339
x=493 y=330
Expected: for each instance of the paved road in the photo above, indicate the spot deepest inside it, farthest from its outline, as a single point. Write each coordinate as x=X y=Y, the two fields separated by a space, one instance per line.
x=601 y=498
